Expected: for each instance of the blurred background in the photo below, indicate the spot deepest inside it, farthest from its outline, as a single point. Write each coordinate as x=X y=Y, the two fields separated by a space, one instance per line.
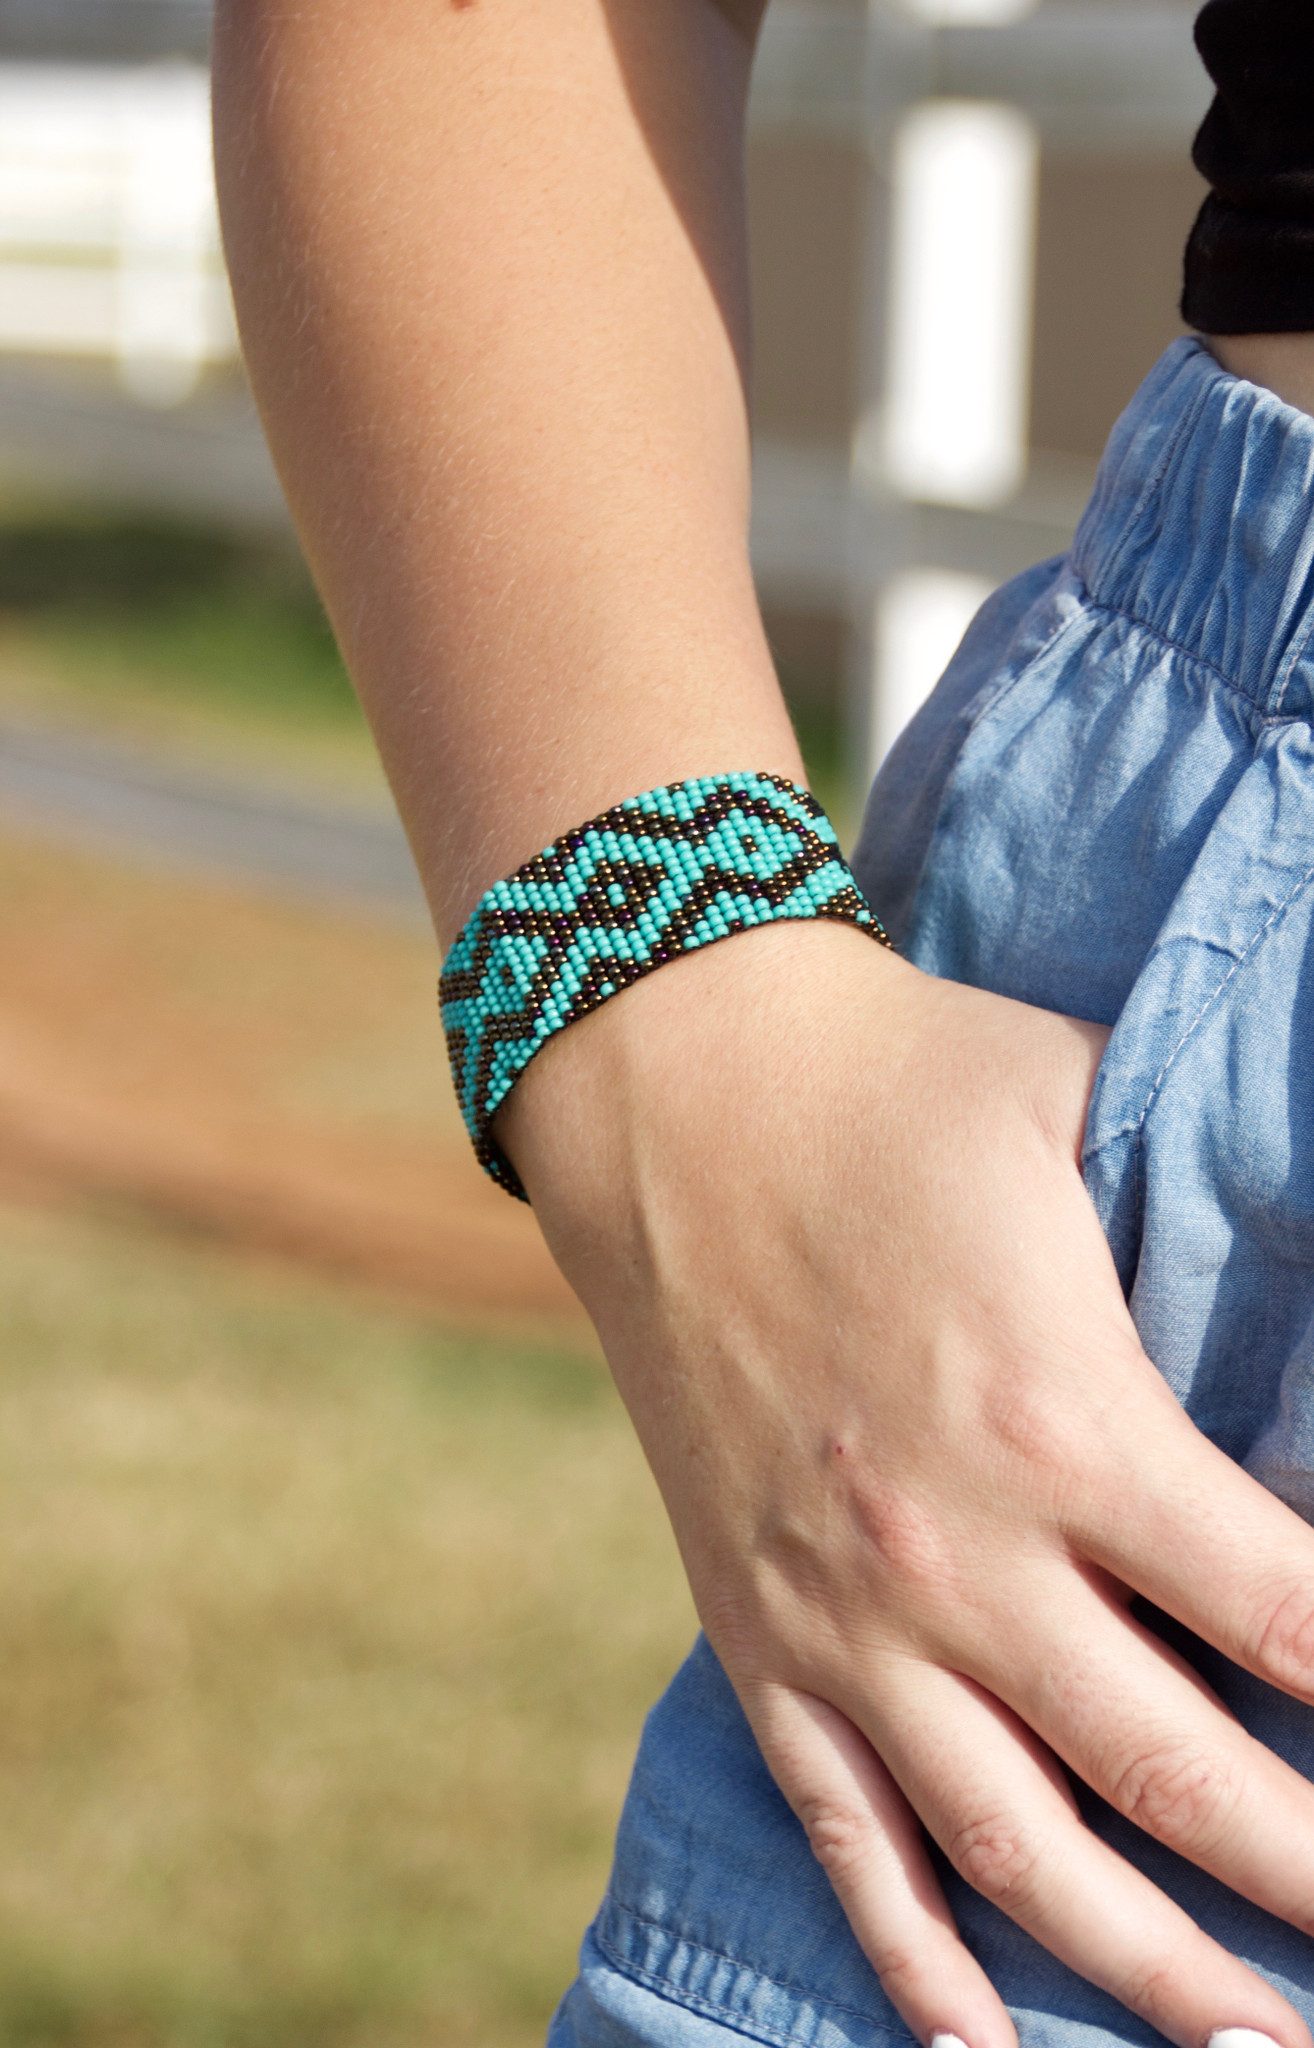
x=332 y=1588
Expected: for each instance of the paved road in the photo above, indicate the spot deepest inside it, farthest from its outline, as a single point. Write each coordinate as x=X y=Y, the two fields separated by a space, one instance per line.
x=100 y=793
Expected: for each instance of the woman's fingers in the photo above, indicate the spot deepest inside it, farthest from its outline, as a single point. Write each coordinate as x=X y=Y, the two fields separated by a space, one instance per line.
x=995 y=1801
x=1194 y=1533
x=1143 y=1731
x=871 y=1848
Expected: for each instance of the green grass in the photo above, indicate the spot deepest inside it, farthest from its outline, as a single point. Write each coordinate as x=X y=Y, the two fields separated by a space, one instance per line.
x=190 y=635
x=327 y=1635
x=251 y=653
x=183 y=634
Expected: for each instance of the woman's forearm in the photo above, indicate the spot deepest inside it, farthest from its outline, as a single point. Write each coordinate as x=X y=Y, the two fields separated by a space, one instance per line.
x=489 y=263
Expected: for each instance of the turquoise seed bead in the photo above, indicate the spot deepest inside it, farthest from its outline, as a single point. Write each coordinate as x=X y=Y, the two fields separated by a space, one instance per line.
x=572 y=911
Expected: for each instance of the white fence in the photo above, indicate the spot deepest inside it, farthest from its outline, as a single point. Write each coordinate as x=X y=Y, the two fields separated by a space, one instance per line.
x=109 y=243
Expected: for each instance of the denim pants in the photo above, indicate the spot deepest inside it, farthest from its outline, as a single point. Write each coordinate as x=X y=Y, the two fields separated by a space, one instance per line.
x=1106 y=808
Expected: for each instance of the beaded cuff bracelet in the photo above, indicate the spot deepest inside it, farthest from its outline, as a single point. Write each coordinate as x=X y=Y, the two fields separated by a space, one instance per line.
x=658 y=875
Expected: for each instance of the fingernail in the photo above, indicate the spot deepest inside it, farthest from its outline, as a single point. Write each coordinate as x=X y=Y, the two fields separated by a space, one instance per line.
x=1240 y=2037
x=953 y=2041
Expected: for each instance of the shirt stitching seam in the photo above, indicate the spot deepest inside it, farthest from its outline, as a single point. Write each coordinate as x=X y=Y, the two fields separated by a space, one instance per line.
x=1202 y=661
x=682 y=1997
x=1274 y=716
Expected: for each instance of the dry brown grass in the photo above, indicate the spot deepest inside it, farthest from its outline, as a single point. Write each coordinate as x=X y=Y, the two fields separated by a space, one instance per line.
x=265 y=1074
x=326 y=1638
x=329 y=1606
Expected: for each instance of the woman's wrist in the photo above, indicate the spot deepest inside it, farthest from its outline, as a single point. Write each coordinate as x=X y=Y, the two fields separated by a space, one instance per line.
x=659 y=876
x=643 y=1090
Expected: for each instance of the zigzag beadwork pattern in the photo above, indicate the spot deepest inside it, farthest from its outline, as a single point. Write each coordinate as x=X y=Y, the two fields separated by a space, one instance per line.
x=658 y=875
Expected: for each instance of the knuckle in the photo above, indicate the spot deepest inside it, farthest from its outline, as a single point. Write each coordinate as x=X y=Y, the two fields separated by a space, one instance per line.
x=909 y=1546
x=1179 y=1794
x=1060 y=1450
x=839 y=1836
x=1000 y=1859
x=1038 y=1429
x=1153 y=1989
x=1281 y=1643
x=901 y=1971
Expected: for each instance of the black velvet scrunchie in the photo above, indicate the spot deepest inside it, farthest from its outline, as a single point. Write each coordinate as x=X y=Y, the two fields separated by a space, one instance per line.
x=1250 y=258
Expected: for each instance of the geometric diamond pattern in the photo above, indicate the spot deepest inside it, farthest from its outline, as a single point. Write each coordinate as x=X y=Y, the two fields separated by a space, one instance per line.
x=658 y=875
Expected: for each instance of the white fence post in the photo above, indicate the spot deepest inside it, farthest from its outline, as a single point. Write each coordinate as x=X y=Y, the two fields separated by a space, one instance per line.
x=944 y=416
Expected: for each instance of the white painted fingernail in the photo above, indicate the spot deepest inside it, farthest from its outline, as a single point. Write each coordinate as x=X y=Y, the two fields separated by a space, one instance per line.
x=1240 y=2037
x=953 y=2041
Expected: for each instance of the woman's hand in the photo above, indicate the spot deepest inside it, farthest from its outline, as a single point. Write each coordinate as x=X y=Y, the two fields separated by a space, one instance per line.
x=827 y=1215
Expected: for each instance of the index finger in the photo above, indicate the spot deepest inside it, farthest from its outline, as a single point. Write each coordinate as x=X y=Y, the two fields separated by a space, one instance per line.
x=1184 y=1525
